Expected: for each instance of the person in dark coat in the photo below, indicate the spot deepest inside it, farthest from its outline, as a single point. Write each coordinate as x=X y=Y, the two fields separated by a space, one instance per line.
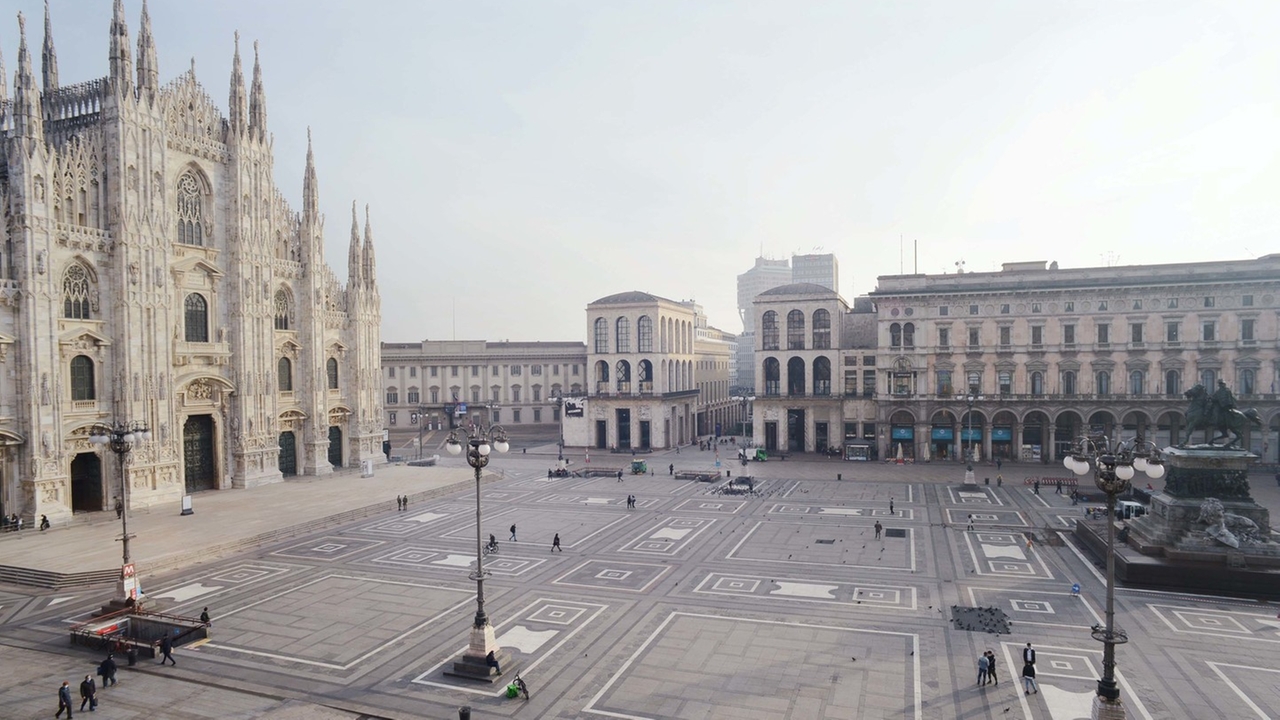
x=107 y=669
x=88 y=694
x=492 y=661
x=555 y=543
x=64 y=700
x=991 y=667
x=166 y=649
x=204 y=616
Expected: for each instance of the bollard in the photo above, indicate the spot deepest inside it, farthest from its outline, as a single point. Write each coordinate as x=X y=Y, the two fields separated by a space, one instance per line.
x=839 y=476
x=986 y=481
x=464 y=712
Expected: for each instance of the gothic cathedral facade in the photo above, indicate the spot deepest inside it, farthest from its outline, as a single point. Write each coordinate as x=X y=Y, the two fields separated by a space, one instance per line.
x=152 y=274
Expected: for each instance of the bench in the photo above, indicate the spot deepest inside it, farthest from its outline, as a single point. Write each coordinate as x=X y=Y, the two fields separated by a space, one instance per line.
x=700 y=476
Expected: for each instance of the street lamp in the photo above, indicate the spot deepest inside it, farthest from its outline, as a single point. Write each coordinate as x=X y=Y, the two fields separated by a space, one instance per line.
x=479 y=444
x=558 y=401
x=746 y=401
x=422 y=420
x=968 y=401
x=1113 y=465
x=120 y=438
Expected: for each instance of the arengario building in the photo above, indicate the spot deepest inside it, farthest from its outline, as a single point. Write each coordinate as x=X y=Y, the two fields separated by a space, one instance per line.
x=153 y=273
x=1018 y=363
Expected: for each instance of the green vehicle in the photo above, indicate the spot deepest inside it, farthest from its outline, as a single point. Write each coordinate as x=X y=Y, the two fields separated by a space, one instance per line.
x=639 y=467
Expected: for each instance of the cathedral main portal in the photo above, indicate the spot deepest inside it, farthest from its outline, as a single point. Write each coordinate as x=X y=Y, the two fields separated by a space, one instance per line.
x=198 y=453
x=86 y=483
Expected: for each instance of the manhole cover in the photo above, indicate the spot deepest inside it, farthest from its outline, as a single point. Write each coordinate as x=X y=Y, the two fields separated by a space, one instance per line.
x=895 y=532
x=825 y=542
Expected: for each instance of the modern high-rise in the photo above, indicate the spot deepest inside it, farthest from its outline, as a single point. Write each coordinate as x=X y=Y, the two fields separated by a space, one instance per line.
x=819 y=269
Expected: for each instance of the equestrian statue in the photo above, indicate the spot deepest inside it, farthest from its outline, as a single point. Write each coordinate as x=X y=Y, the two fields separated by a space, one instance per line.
x=1217 y=412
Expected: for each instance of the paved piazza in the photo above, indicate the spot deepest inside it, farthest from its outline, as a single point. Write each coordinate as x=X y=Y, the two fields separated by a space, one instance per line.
x=696 y=604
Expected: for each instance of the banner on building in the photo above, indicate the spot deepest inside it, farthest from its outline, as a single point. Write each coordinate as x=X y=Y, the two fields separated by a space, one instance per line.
x=574 y=407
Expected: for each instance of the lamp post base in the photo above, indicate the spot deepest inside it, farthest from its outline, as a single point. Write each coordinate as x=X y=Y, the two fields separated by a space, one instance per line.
x=473 y=664
x=1104 y=709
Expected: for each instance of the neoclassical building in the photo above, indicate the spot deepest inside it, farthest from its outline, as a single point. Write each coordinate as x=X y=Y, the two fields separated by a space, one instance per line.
x=153 y=273
x=658 y=375
x=812 y=351
x=1048 y=353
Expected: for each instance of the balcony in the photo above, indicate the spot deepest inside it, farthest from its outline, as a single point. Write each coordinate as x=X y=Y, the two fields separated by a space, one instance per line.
x=603 y=387
x=645 y=387
x=822 y=388
x=773 y=388
x=624 y=388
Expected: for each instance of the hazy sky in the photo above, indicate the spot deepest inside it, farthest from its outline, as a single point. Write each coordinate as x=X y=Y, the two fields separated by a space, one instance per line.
x=524 y=158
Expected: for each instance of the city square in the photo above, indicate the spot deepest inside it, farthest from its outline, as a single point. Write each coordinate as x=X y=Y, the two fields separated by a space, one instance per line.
x=697 y=603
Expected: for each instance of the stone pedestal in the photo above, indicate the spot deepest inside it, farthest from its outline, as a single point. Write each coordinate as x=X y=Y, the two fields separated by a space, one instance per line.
x=1195 y=474
x=474 y=663
x=1104 y=709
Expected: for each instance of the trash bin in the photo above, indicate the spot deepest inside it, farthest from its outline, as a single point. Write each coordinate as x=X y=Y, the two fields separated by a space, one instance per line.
x=131 y=656
x=464 y=712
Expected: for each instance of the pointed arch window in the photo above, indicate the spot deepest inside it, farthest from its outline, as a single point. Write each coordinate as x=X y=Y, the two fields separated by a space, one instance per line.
x=196 y=318
x=284 y=309
x=76 y=293
x=82 y=385
x=284 y=375
x=331 y=372
x=190 y=210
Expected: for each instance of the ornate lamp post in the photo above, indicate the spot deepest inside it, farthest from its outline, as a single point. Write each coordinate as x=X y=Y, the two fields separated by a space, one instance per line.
x=479 y=444
x=746 y=405
x=1113 y=465
x=120 y=438
x=558 y=401
x=969 y=400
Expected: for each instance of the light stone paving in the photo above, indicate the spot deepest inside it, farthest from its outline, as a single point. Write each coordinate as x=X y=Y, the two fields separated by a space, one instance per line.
x=696 y=604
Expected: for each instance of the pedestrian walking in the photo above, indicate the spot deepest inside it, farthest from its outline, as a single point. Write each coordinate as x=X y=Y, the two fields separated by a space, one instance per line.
x=204 y=616
x=107 y=669
x=879 y=527
x=513 y=533
x=44 y=523
x=983 y=665
x=1059 y=483
x=891 y=506
x=619 y=476
x=166 y=649
x=406 y=502
x=555 y=543
x=999 y=480
x=64 y=700
x=88 y=694
x=991 y=667
x=1037 y=486
x=1029 y=680
x=671 y=469
x=999 y=462
x=119 y=508
x=970 y=521
x=1029 y=655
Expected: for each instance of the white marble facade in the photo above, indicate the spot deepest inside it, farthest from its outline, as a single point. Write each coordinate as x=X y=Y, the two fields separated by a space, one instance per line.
x=152 y=272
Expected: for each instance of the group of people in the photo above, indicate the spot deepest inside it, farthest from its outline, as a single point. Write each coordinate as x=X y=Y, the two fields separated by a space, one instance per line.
x=402 y=502
x=88 y=688
x=987 y=670
x=12 y=522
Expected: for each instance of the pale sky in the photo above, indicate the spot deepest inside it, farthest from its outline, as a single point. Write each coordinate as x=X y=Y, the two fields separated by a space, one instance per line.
x=524 y=158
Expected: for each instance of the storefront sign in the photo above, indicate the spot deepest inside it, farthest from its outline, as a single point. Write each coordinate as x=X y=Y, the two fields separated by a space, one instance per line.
x=943 y=433
x=903 y=433
x=973 y=435
x=1002 y=434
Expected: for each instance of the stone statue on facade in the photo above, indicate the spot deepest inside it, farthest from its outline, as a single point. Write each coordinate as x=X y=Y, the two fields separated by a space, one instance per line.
x=1217 y=412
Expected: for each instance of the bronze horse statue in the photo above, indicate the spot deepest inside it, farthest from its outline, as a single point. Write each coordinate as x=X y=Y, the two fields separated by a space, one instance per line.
x=1229 y=425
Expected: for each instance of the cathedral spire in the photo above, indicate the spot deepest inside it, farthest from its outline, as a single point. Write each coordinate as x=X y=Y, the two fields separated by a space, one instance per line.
x=355 y=274
x=148 y=69
x=257 y=98
x=49 y=56
x=27 y=117
x=121 y=61
x=4 y=89
x=236 y=103
x=310 y=186
x=369 y=264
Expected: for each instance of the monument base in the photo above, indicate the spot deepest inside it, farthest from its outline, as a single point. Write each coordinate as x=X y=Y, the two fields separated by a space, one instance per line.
x=1104 y=709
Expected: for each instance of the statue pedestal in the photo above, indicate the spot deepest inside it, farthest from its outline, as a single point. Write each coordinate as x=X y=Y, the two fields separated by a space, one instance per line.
x=1196 y=474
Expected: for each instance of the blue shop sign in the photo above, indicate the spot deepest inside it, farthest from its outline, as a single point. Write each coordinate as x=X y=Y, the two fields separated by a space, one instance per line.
x=943 y=433
x=1002 y=434
x=903 y=433
x=973 y=435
